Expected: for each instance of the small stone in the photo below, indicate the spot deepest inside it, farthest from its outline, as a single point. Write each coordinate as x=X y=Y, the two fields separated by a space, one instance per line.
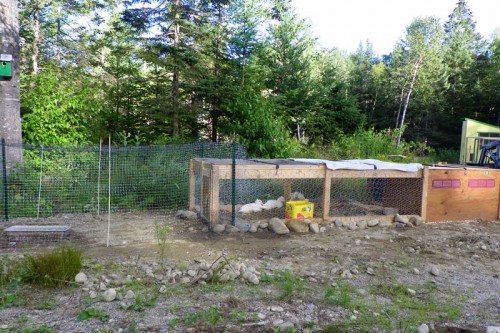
x=286 y=326
x=361 y=224
x=263 y=225
x=435 y=271
x=352 y=226
x=354 y=271
x=416 y=220
x=401 y=219
x=163 y=289
x=244 y=226
x=314 y=227
x=423 y=328
x=338 y=223
x=484 y=247
x=277 y=226
x=357 y=242
x=191 y=273
x=276 y=308
x=298 y=226
x=93 y=294
x=232 y=229
x=186 y=215
x=218 y=228
x=278 y=322
x=129 y=294
x=322 y=229
x=253 y=279
x=372 y=223
x=346 y=274
x=185 y=279
x=253 y=228
x=493 y=329
x=409 y=249
x=416 y=271
x=109 y=295
x=370 y=271
x=81 y=278
x=102 y=286
x=411 y=292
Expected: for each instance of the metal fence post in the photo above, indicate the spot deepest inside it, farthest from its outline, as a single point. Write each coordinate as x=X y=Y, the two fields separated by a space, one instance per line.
x=233 y=185
x=4 y=175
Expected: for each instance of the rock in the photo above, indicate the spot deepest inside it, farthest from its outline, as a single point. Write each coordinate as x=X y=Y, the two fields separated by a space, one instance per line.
x=370 y=271
x=129 y=294
x=244 y=226
x=278 y=322
x=109 y=295
x=253 y=279
x=416 y=220
x=352 y=226
x=322 y=229
x=205 y=229
x=338 y=223
x=357 y=242
x=102 y=286
x=401 y=219
x=493 y=329
x=287 y=326
x=372 y=223
x=186 y=215
x=411 y=292
x=218 y=228
x=191 y=272
x=93 y=294
x=277 y=226
x=81 y=278
x=362 y=224
x=253 y=228
x=314 y=227
x=163 y=289
x=423 y=328
x=263 y=225
x=435 y=271
x=276 y=308
x=385 y=223
x=298 y=226
x=390 y=211
x=409 y=249
x=232 y=228
x=416 y=271
x=354 y=271
x=185 y=279
x=346 y=274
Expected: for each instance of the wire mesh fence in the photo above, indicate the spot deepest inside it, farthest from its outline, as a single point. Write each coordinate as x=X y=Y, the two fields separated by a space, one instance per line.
x=106 y=194
x=119 y=195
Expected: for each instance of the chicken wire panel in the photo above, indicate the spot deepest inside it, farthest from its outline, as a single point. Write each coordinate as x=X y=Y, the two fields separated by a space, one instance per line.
x=372 y=196
x=107 y=195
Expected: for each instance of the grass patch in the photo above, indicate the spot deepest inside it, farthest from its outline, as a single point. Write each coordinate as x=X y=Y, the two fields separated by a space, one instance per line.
x=288 y=284
x=341 y=295
x=53 y=269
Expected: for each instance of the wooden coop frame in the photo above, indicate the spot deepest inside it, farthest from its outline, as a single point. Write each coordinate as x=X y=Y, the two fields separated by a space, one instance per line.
x=213 y=170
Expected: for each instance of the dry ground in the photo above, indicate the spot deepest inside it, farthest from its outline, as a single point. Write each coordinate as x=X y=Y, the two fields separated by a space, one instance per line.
x=377 y=279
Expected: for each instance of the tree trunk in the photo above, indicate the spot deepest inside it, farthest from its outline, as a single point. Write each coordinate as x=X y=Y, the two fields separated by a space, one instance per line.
x=175 y=75
x=10 y=117
x=407 y=100
x=36 y=38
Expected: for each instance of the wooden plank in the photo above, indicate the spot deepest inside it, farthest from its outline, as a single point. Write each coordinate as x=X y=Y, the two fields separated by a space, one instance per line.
x=425 y=189
x=243 y=172
x=192 y=184
x=214 y=196
x=327 y=190
x=462 y=194
x=375 y=174
x=287 y=189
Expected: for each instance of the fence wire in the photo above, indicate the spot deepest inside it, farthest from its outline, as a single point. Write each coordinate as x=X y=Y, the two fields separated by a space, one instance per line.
x=80 y=187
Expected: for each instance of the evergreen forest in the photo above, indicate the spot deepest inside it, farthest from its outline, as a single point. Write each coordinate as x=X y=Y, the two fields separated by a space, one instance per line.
x=153 y=72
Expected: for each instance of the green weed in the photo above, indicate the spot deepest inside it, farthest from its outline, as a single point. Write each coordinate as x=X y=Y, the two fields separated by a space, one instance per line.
x=93 y=313
x=161 y=233
x=341 y=295
x=288 y=284
x=55 y=268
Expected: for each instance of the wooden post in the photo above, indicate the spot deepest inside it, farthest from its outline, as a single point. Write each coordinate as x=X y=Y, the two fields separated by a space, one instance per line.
x=287 y=189
x=192 y=184
x=214 y=196
x=425 y=188
x=327 y=190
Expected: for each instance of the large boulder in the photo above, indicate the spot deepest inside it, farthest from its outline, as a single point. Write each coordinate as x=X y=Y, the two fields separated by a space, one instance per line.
x=277 y=226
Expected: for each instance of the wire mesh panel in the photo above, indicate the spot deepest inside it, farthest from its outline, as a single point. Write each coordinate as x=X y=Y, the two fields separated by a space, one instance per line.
x=110 y=195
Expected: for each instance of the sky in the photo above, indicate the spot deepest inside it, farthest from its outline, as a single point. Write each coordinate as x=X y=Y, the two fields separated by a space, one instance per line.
x=344 y=23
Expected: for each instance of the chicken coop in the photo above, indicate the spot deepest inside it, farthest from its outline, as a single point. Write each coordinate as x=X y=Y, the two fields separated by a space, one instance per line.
x=251 y=190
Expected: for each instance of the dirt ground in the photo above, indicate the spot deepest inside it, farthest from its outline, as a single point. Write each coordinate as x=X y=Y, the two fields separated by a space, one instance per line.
x=460 y=260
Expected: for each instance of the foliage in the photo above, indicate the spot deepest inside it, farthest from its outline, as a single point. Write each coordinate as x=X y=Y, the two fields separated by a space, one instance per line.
x=288 y=284
x=162 y=232
x=53 y=269
x=93 y=313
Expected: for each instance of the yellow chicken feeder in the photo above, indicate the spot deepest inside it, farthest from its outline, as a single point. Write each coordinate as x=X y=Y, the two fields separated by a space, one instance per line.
x=299 y=210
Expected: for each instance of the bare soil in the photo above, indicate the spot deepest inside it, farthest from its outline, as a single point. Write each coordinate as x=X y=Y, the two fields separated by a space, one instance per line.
x=464 y=258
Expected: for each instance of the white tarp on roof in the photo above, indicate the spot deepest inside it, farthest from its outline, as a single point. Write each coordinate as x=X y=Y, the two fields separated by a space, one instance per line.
x=368 y=164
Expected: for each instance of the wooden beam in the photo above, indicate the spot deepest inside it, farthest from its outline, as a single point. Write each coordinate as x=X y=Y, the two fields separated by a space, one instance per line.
x=192 y=184
x=214 y=196
x=327 y=190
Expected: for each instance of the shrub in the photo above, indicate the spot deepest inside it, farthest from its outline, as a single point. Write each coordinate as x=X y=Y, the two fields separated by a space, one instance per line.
x=55 y=268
